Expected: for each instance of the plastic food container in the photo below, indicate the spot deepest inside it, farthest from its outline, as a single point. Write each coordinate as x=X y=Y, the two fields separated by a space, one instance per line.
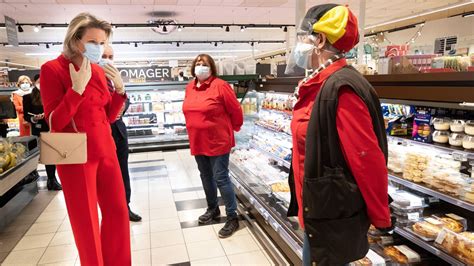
x=457 y=125
x=468 y=142
x=442 y=123
x=458 y=245
x=441 y=136
x=469 y=127
x=407 y=216
x=456 y=139
x=401 y=254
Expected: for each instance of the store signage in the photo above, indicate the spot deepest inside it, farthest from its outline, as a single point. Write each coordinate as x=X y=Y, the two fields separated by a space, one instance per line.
x=145 y=74
x=12 y=34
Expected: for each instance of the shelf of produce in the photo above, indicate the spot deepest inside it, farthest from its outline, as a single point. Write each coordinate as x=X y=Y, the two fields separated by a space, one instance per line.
x=444 y=147
x=11 y=177
x=428 y=191
x=279 y=160
x=427 y=246
x=272 y=129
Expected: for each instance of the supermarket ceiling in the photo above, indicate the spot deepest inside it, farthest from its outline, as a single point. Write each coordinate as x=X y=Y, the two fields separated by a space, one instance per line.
x=182 y=11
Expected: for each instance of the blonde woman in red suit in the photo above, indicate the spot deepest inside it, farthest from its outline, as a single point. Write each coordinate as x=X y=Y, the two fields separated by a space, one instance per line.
x=74 y=89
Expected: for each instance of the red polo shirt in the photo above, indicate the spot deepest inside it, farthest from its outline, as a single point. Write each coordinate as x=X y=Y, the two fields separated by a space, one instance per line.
x=212 y=114
x=358 y=141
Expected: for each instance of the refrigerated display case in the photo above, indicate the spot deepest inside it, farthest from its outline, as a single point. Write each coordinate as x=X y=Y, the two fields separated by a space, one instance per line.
x=155 y=119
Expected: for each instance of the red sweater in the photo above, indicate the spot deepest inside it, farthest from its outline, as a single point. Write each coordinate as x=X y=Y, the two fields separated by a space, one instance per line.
x=212 y=114
x=359 y=145
x=93 y=111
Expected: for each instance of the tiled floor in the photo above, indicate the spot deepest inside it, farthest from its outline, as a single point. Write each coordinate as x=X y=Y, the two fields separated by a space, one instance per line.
x=167 y=193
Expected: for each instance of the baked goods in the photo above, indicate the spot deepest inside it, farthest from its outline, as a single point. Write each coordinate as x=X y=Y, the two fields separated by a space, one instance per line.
x=452 y=224
x=280 y=187
x=441 y=136
x=426 y=229
x=466 y=247
x=442 y=123
x=468 y=142
x=416 y=162
x=469 y=127
x=401 y=254
x=455 y=139
x=371 y=258
x=459 y=245
x=457 y=125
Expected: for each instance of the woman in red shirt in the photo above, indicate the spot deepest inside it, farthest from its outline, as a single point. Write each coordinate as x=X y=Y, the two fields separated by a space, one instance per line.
x=75 y=94
x=212 y=114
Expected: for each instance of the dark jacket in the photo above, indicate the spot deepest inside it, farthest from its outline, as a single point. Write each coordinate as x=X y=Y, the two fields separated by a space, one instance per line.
x=28 y=109
x=119 y=129
x=335 y=213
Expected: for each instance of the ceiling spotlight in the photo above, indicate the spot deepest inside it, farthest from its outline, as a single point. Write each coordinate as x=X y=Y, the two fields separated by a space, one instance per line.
x=136 y=44
x=36 y=29
x=177 y=44
x=47 y=46
x=180 y=28
x=285 y=29
x=227 y=29
x=251 y=44
x=215 y=44
x=242 y=28
x=20 y=28
x=165 y=29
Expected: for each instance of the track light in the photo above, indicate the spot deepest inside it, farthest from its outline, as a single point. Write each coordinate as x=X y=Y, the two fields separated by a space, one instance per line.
x=252 y=44
x=215 y=44
x=177 y=44
x=180 y=28
x=136 y=44
x=285 y=29
x=227 y=29
x=20 y=28
x=242 y=28
x=47 y=46
x=165 y=29
x=36 y=29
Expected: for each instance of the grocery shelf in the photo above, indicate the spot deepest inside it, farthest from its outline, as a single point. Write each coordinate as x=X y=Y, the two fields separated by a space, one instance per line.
x=272 y=129
x=427 y=246
x=142 y=125
x=444 y=147
x=138 y=113
x=278 y=112
x=279 y=160
x=428 y=191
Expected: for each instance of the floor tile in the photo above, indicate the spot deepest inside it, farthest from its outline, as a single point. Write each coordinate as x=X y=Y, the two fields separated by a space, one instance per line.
x=190 y=215
x=140 y=242
x=161 y=225
x=169 y=255
x=141 y=257
x=35 y=241
x=239 y=244
x=8 y=243
x=62 y=238
x=65 y=226
x=24 y=257
x=191 y=195
x=200 y=233
x=205 y=250
x=163 y=213
x=250 y=258
x=221 y=261
x=139 y=228
x=44 y=228
x=53 y=216
x=166 y=238
x=59 y=254
x=62 y=263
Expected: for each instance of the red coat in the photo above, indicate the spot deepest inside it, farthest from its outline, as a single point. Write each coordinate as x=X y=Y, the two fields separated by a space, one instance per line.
x=212 y=114
x=93 y=111
x=359 y=145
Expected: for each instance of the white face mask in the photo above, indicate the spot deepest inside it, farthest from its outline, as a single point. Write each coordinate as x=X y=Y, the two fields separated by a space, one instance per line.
x=103 y=62
x=303 y=54
x=25 y=86
x=202 y=72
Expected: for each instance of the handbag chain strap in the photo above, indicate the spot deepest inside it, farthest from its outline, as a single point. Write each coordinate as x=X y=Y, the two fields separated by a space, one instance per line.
x=51 y=123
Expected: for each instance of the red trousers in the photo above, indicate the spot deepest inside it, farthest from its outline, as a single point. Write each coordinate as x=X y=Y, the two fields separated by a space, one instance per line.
x=85 y=185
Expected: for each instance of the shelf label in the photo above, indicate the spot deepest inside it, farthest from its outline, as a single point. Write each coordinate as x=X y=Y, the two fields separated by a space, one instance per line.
x=413 y=216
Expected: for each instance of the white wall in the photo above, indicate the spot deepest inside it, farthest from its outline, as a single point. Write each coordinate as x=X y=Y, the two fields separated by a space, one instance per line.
x=458 y=26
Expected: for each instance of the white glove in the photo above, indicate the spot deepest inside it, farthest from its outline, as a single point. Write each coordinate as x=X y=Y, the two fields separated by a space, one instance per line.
x=80 y=78
x=113 y=74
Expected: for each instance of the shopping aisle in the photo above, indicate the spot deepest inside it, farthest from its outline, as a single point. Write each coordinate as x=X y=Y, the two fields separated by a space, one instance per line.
x=167 y=193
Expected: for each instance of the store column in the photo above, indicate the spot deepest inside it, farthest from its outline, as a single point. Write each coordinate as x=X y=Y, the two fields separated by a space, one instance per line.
x=360 y=47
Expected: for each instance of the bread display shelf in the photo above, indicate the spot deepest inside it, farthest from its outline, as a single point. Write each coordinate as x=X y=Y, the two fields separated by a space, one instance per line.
x=427 y=246
x=431 y=192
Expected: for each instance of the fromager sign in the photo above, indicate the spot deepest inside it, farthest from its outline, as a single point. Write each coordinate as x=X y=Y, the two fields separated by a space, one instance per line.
x=145 y=74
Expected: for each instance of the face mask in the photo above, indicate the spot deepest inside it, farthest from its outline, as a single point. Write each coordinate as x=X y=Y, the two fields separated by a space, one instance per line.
x=202 y=72
x=93 y=52
x=103 y=62
x=25 y=86
x=303 y=55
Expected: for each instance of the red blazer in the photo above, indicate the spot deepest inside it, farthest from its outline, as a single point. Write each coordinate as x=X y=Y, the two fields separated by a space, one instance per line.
x=93 y=111
x=212 y=114
x=353 y=122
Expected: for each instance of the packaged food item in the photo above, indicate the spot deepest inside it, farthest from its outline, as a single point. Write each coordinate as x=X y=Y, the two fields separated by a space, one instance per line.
x=459 y=245
x=441 y=136
x=396 y=157
x=468 y=142
x=416 y=163
x=453 y=222
x=421 y=127
x=457 y=125
x=428 y=229
x=372 y=258
x=406 y=216
x=456 y=139
x=280 y=186
x=441 y=123
x=402 y=254
x=469 y=127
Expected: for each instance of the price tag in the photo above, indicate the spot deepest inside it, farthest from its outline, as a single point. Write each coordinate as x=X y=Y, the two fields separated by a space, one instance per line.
x=455 y=217
x=459 y=156
x=433 y=221
x=433 y=200
x=441 y=236
x=413 y=216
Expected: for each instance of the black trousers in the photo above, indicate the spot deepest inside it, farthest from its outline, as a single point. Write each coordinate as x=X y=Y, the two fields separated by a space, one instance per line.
x=51 y=171
x=122 y=154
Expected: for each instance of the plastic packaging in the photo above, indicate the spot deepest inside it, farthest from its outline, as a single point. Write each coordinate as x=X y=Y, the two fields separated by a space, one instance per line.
x=468 y=142
x=401 y=254
x=458 y=245
x=457 y=125
x=441 y=123
x=441 y=136
x=456 y=139
x=469 y=127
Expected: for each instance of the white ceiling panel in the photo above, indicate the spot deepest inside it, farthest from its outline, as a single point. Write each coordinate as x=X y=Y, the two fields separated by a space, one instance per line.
x=94 y=2
x=17 y=1
x=43 y=1
x=188 y=2
x=69 y=2
x=143 y=2
x=166 y=2
x=232 y=2
x=119 y=2
x=211 y=2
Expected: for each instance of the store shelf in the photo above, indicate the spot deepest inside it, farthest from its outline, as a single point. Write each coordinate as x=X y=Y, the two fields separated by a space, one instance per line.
x=427 y=246
x=444 y=147
x=278 y=112
x=171 y=101
x=431 y=192
x=157 y=138
x=152 y=113
x=279 y=160
x=272 y=129
x=143 y=125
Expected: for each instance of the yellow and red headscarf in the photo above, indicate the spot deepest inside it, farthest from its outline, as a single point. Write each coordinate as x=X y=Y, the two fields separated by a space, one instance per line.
x=337 y=22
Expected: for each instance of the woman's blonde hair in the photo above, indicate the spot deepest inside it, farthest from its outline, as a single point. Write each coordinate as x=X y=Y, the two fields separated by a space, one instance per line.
x=22 y=79
x=78 y=27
